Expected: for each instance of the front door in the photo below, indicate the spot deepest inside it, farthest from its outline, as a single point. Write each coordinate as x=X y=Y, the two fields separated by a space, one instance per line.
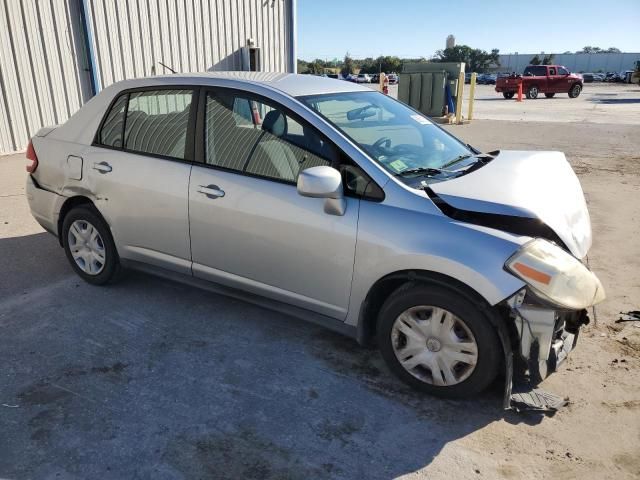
x=249 y=227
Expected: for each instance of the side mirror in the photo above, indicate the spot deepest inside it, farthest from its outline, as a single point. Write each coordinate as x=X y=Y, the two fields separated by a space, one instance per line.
x=323 y=182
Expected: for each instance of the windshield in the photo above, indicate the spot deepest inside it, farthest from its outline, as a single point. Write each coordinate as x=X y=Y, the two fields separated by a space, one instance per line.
x=403 y=141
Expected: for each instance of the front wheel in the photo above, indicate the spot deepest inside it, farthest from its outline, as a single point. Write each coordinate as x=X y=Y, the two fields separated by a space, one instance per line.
x=549 y=95
x=508 y=95
x=575 y=91
x=89 y=246
x=532 y=92
x=437 y=341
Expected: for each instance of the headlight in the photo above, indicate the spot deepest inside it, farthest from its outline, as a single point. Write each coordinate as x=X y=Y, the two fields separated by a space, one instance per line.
x=556 y=275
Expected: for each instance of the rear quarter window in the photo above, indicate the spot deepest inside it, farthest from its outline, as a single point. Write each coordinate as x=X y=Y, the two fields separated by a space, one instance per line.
x=110 y=134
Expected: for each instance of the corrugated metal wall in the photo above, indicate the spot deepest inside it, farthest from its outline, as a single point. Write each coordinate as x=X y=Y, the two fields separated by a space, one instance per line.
x=45 y=73
x=43 y=69
x=134 y=39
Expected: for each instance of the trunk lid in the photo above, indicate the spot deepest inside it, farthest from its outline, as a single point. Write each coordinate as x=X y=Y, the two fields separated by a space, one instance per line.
x=534 y=185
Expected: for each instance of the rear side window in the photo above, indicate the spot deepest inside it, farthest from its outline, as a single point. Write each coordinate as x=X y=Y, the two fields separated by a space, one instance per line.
x=157 y=122
x=537 y=71
x=111 y=132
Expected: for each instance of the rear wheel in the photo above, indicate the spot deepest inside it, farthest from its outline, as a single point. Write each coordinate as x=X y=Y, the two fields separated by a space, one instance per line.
x=508 y=95
x=532 y=92
x=549 y=95
x=437 y=341
x=89 y=246
x=575 y=91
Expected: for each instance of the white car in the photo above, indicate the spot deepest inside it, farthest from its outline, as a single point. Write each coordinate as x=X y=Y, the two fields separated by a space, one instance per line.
x=363 y=78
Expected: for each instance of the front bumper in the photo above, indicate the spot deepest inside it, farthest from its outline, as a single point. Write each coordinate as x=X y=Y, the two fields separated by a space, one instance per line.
x=545 y=336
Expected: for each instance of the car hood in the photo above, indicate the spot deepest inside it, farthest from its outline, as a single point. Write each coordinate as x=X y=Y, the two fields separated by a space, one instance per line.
x=519 y=185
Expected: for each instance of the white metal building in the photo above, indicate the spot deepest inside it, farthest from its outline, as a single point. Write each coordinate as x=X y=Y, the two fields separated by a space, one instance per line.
x=56 y=54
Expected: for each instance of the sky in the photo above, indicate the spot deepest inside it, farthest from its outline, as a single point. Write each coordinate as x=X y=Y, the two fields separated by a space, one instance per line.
x=327 y=29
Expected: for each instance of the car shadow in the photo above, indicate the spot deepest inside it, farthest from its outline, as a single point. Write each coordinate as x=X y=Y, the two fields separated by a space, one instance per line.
x=615 y=101
x=150 y=378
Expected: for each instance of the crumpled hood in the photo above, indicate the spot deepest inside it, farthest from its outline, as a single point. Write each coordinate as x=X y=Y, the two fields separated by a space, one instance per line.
x=538 y=185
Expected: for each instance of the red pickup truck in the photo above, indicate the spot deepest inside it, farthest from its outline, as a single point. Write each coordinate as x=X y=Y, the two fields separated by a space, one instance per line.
x=547 y=79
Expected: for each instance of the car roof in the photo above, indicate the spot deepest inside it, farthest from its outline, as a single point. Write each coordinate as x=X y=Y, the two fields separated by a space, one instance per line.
x=289 y=83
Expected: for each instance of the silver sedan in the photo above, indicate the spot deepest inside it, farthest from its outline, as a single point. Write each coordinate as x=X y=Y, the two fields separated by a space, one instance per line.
x=331 y=202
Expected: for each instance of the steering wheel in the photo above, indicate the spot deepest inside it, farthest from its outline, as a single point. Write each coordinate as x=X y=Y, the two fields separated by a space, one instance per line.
x=382 y=141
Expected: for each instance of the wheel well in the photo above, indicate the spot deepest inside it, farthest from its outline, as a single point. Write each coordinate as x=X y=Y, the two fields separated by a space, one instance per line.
x=67 y=206
x=381 y=290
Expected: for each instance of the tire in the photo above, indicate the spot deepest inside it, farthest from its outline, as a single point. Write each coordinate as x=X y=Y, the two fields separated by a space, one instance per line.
x=549 y=95
x=532 y=92
x=462 y=325
x=575 y=90
x=508 y=95
x=96 y=259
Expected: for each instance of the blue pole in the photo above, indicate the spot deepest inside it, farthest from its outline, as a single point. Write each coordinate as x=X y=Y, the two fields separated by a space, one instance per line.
x=88 y=38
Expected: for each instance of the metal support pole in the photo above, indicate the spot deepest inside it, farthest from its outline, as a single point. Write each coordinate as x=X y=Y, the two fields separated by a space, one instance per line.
x=459 y=98
x=472 y=90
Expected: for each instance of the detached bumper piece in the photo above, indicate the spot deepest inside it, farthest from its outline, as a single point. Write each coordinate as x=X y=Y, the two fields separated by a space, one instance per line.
x=536 y=400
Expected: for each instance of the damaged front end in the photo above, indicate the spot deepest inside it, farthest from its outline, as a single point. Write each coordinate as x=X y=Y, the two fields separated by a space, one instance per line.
x=545 y=335
x=545 y=318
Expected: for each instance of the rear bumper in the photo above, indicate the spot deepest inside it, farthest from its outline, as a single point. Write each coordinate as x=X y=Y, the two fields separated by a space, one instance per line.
x=45 y=205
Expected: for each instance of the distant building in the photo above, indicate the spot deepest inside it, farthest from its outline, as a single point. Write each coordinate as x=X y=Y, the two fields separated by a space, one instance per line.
x=451 y=41
x=575 y=62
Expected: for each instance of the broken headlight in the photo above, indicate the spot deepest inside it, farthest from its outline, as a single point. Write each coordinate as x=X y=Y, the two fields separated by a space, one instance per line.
x=556 y=275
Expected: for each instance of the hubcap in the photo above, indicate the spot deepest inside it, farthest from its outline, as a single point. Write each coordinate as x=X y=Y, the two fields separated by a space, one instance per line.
x=87 y=247
x=434 y=345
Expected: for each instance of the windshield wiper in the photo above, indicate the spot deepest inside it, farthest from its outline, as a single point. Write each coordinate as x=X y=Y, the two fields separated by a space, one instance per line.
x=459 y=158
x=426 y=171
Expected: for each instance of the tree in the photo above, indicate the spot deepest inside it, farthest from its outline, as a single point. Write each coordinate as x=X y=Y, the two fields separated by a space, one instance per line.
x=589 y=49
x=302 y=66
x=535 y=60
x=316 y=67
x=475 y=60
x=347 y=65
x=548 y=59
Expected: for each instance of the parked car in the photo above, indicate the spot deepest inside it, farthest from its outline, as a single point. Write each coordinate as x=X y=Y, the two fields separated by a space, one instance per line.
x=335 y=76
x=591 y=77
x=363 y=78
x=547 y=79
x=375 y=78
x=486 y=79
x=261 y=186
x=393 y=78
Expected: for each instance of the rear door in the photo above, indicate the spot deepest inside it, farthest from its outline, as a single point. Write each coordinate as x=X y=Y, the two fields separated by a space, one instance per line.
x=249 y=227
x=138 y=170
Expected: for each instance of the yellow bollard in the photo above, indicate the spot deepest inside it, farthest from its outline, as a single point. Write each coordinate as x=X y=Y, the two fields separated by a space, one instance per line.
x=459 y=98
x=472 y=89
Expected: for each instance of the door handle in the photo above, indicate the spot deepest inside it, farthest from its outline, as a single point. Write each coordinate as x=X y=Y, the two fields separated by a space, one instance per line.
x=211 y=191
x=102 y=167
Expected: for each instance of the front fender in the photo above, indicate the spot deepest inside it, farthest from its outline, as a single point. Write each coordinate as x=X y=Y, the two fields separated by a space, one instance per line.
x=392 y=239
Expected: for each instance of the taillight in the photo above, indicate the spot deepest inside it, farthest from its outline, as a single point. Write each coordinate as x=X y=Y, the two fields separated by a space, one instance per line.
x=32 y=158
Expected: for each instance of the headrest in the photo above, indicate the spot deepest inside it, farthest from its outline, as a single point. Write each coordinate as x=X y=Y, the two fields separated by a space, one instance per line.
x=275 y=123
